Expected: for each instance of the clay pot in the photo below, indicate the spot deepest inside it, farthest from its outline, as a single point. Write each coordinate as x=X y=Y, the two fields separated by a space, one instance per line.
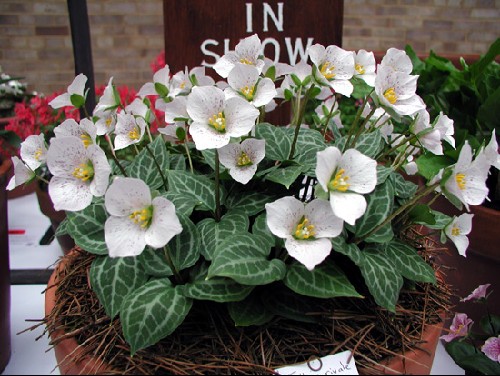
x=5 y=342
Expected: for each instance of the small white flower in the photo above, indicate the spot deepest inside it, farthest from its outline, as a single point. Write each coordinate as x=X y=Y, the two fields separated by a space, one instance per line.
x=22 y=174
x=325 y=110
x=306 y=228
x=34 y=151
x=302 y=70
x=159 y=86
x=86 y=131
x=397 y=60
x=244 y=81
x=428 y=137
x=77 y=88
x=129 y=130
x=444 y=125
x=364 y=66
x=176 y=110
x=490 y=152
x=183 y=81
x=247 y=51
x=136 y=220
x=381 y=120
x=242 y=159
x=108 y=100
x=458 y=230
x=79 y=173
x=139 y=108
x=335 y=67
x=216 y=120
x=346 y=177
x=106 y=122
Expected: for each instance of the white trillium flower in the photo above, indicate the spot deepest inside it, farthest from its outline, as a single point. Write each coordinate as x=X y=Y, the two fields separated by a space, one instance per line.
x=490 y=152
x=159 y=86
x=106 y=122
x=444 y=125
x=428 y=137
x=79 y=173
x=86 y=130
x=245 y=81
x=77 y=88
x=176 y=110
x=397 y=90
x=468 y=180
x=380 y=119
x=247 y=51
x=335 y=67
x=364 y=66
x=325 y=110
x=139 y=108
x=346 y=177
x=136 y=220
x=107 y=101
x=34 y=151
x=302 y=70
x=397 y=60
x=306 y=228
x=242 y=159
x=22 y=174
x=129 y=130
x=183 y=81
x=215 y=119
x=458 y=230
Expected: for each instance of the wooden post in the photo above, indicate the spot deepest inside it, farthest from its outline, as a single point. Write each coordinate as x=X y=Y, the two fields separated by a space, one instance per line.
x=82 y=49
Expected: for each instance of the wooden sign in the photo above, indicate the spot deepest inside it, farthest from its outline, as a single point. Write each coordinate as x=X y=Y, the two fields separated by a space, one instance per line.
x=198 y=32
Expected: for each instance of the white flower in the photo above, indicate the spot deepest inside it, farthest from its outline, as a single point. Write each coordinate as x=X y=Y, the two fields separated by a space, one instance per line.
x=444 y=125
x=335 y=67
x=183 y=81
x=247 y=51
x=468 y=179
x=86 y=131
x=242 y=159
x=33 y=151
x=428 y=137
x=305 y=228
x=159 y=86
x=302 y=70
x=129 y=130
x=216 y=120
x=326 y=109
x=244 y=81
x=364 y=66
x=139 y=108
x=79 y=173
x=22 y=174
x=397 y=60
x=106 y=122
x=136 y=220
x=490 y=152
x=176 y=110
x=380 y=119
x=75 y=90
x=397 y=90
x=346 y=177
x=108 y=100
x=458 y=230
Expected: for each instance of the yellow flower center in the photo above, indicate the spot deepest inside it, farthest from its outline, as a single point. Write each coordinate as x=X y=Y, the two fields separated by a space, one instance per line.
x=243 y=160
x=304 y=231
x=390 y=95
x=218 y=122
x=87 y=141
x=339 y=182
x=455 y=231
x=84 y=171
x=327 y=70
x=460 y=179
x=142 y=217
x=108 y=122
x=244 y=60
x=360 y=69
x=134 y=134
x=182 y=85
x=38 y=154
x=248 y=92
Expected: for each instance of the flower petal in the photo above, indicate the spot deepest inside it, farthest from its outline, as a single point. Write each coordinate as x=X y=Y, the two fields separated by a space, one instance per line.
x=123 y=237
x=348 y=206
x=283 y=215
x=68 y=193
x=164 y=225
x=320 y=214
x=126 y=195
x=308 y=252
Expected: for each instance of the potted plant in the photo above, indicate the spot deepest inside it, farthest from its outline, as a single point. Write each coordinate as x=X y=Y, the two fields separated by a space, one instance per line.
x=225 y=222
x=470 y=95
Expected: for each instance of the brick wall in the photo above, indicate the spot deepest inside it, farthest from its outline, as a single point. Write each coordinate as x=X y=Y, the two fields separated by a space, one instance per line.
x=127 y=35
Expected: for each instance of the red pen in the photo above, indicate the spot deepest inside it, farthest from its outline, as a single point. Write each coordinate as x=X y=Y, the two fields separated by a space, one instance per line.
x=17 y=232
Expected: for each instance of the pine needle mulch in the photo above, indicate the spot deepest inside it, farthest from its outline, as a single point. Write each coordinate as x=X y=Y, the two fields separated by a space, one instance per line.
x=209 y=343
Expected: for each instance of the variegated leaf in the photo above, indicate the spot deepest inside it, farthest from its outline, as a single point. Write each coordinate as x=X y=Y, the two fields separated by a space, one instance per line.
x=216 y=289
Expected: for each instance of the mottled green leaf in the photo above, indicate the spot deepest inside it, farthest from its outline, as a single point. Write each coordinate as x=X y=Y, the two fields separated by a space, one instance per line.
x=247 y=202
x=278 y=142
x=250 y=311
x=286 y=303
x=184 y=204
x=154 y=262
x=350 y=250
x=409 y=263
x=216 y=289
x=199 y=187
x=260 y=228
x=403 y=188
x=151 y=164
x=285 y=176
x=185 y=247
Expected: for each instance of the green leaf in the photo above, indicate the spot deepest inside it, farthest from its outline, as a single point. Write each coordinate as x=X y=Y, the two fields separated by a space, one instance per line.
x=285 y=176
x=184 y=204
x=442 y=220
x=243 y=257
x=260 y=228
x=403 y=188
x=382 y=279
x=185 y=247
x=77 y=100
x=112 y=279
x=429 y=164
x=209 y=157
x=199 y=187
x=471 y=359
x=154 y=263
x=250 y=311
x=247 y=202
x=278 y=142
x=422 y=214
x=161 y=89
x=383 y=173
x=325 y=281
x=370 y=144
x=350 y=250
x=144 y=166
x=152 y=312
x=379 y=205
x=177 y=162
x=286 y=303
x=216 y=289
x=409 y=263
x=212 y=233
x=490 y=325
x=309 y=142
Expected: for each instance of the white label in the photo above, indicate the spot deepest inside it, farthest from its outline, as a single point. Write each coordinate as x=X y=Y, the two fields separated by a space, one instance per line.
x=338 y=364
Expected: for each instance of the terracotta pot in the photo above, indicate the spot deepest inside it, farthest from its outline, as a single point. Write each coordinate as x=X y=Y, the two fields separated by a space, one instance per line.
x=5 y=342
x=56 y=217
x=416 y=361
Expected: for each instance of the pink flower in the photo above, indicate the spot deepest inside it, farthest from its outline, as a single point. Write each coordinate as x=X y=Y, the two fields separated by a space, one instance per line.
x=458 y=328
x=491 y=348
x=478 y=293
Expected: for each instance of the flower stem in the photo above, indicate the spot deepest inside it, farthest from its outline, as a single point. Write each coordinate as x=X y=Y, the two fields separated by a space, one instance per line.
x=217 y=184
x=170 y=262
x=300 y=109
x=188 y=156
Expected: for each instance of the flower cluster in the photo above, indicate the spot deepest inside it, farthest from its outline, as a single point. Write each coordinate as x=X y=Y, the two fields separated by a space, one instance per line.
x=478 y=352
x=12 y=91
x=220 y=202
